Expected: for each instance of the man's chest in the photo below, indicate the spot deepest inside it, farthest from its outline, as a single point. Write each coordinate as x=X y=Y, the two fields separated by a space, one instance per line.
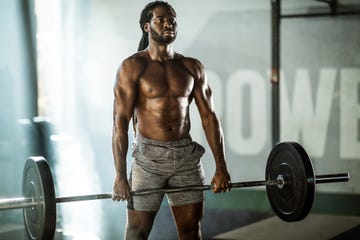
x=159 y=80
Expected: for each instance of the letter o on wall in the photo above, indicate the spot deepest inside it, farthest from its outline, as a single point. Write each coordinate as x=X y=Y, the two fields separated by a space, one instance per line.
x=236 y=106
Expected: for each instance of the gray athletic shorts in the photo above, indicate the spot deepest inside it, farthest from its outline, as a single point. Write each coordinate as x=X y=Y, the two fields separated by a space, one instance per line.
x=160 y=164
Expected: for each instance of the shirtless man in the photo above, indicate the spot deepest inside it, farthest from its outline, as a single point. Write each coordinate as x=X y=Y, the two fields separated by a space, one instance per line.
x=155 y=87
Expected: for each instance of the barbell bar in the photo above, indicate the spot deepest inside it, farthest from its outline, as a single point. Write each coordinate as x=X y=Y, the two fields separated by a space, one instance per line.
x=289 y=179
x=25 y=202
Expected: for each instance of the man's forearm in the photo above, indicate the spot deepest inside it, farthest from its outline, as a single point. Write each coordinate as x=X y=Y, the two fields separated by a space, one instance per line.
x=120 y=147
x=215 y=139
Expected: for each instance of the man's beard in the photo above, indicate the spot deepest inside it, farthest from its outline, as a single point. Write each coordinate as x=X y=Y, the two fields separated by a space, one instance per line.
x=161 y=39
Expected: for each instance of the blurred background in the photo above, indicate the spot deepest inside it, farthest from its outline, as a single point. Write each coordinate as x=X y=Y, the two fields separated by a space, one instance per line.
x=57 y=70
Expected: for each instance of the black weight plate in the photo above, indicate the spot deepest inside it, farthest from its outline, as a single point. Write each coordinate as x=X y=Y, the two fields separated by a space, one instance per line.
x=40 y=220
x=294 y=200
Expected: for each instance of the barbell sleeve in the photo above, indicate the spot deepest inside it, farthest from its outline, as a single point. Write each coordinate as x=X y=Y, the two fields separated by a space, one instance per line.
x=19 y=202
x=328 y=178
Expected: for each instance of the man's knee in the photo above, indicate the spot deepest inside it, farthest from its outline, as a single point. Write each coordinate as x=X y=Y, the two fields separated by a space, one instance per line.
x=189 y=230
x=139 y=224
x=137 y=231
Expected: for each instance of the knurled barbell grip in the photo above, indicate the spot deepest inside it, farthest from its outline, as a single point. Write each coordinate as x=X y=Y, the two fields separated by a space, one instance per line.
x=83 y=197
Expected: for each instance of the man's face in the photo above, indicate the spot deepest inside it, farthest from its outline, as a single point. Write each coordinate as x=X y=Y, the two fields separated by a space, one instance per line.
x=163 y=26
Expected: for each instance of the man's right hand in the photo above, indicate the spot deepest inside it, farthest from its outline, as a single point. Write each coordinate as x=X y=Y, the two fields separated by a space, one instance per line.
x=121 y=189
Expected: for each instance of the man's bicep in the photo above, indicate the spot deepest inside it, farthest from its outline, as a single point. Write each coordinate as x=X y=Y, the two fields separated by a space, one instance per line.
x=124 y=95
x=203 y=99
x=202 y=90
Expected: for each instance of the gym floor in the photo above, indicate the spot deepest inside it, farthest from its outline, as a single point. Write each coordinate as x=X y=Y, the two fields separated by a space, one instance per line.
x=329 y=219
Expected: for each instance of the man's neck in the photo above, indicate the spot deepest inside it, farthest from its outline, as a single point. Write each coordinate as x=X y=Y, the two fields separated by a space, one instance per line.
x=161 y=53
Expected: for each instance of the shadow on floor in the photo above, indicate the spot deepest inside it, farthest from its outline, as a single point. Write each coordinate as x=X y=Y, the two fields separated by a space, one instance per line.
x=215 y=221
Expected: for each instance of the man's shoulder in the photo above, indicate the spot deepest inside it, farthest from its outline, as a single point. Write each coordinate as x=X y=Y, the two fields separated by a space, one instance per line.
x=186 y=59
x=192 y=64
x=132 y=66
x=136 y=58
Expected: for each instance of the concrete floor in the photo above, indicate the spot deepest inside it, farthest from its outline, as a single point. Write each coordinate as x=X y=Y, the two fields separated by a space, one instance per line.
x=223 y=224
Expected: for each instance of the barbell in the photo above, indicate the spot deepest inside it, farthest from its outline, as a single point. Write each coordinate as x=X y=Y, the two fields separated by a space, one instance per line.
x=289 y=179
